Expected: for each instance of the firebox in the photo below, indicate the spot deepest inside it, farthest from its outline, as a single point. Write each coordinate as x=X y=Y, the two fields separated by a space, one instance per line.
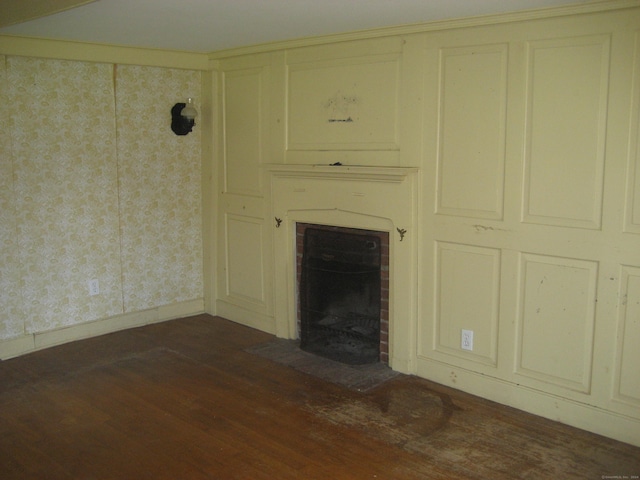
x=340 y=295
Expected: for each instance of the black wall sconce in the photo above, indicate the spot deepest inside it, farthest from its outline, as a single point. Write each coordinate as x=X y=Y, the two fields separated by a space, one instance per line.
x=183 y=117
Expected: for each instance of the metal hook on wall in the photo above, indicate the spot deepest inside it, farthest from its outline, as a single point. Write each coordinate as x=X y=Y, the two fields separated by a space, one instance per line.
x=402 y=232
x=278 y=222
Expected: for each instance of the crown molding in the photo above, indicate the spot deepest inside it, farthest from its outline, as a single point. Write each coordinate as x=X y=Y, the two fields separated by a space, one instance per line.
x=101 y=53
x=476 y=21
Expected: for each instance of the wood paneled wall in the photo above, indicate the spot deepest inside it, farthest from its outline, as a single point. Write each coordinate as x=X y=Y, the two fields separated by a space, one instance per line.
x=525 y=134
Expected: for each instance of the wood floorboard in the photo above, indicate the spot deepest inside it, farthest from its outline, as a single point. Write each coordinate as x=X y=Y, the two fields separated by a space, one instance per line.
x=184 y=400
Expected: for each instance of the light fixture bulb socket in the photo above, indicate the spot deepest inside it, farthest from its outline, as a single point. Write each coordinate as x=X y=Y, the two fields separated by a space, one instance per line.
x=189 y=111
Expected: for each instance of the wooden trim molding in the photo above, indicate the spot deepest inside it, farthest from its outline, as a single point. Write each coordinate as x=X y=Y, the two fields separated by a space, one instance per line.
x=102 y=53
x=494 y=19
x=41 y=340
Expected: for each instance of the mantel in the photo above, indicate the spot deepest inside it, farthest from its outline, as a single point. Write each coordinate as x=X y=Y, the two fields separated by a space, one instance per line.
x=365 y=197
x=343 y=172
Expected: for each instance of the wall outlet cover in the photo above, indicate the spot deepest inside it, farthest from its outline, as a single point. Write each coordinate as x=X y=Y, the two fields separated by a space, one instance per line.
x=466 y=342
x=94 y=287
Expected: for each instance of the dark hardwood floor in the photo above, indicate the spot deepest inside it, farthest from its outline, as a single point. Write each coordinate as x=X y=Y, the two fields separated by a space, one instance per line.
x=185 y=400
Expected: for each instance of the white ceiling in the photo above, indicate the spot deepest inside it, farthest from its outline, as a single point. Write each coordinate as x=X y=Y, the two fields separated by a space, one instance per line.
x=213 y=25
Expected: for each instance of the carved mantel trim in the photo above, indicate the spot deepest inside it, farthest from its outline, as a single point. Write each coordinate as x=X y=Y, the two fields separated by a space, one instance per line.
x=370 y=198
x=343 y=172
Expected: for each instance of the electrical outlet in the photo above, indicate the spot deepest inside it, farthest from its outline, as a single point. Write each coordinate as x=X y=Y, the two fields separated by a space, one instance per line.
x=466 y=342
x=94 y=287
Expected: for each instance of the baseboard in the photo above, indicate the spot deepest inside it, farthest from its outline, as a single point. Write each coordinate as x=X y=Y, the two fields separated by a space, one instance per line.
x=553 y=407
x=244 y=316
x=38 y=341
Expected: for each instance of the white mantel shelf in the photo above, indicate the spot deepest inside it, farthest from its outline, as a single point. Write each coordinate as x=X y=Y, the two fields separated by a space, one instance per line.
x=343 y=172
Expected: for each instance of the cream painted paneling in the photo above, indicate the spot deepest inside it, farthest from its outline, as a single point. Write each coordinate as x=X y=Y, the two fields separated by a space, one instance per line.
x=159 y=188
x=568 y=88
x=11 y=317
x=467 y=298
x=632 y=208
x=248 y=126
x=626 y=384
x=566 y=121
x=472 y=133
x=343 y=103
x=348 y=104
x=525 y=137
x=556 y=320
x=66 y=186
x=245 y=259
x=243 y=98
x=627 y=387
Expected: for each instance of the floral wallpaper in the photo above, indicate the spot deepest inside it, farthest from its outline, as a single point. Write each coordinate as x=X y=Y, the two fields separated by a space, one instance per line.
x=11 y=324
x=94 y=185
x=160 y=198
x=64 y=151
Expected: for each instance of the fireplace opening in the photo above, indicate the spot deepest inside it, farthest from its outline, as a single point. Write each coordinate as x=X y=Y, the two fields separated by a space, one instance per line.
x=340 y=294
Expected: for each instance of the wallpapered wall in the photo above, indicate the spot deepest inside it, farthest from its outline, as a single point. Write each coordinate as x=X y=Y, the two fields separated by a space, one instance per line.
x=94 y=185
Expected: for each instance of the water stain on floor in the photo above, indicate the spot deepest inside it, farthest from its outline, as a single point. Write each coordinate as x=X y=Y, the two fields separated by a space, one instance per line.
x=474 y=441
x=397 y=416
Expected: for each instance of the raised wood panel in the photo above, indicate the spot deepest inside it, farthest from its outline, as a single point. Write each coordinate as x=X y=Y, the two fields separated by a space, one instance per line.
x=632 y=208
x=471 y=154
x=567 y=91
x=627 y=384
x=243 y=98
x=556 y=320
x=245 y=259
x=349 y=104
x=467 y=297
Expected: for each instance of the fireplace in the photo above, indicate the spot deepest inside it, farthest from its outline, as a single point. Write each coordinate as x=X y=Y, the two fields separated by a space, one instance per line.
x=374 y=199
x=343 y=288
